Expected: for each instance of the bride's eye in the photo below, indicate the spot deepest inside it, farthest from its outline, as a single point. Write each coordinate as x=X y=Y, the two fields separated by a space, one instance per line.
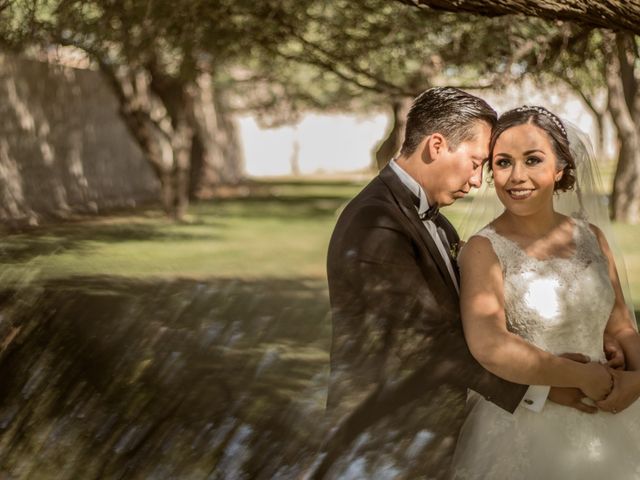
x=502 y=163
x=533 y=160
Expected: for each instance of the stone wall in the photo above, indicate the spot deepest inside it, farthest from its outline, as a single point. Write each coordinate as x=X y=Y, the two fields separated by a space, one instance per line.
x=63 y=147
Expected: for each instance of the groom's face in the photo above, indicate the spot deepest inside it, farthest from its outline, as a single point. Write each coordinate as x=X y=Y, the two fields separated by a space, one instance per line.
x=460 y=169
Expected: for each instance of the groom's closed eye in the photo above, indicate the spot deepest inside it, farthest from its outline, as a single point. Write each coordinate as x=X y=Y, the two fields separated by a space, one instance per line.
x=478 y=162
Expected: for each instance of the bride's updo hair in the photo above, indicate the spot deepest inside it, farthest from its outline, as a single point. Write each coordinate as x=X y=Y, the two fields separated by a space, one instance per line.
x=555 y=130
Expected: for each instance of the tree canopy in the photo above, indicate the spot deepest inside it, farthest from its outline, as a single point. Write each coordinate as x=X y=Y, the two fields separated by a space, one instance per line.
x=278 y=58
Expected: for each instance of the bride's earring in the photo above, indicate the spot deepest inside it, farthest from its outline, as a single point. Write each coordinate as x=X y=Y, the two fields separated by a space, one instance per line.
x=489 y=179
x=558 y=178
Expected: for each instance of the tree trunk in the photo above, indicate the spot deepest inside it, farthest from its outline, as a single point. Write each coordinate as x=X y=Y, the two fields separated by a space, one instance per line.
x=177 y=96
x=232 y=167
x=598 y=115
x=15 y=211
x=614 y=14
x=164 y=140
x=625 y=199
x=166 y=191
x=395 y=136
x=217 y=157
x=600 y=141
x=181 y=145
x=156 y=148
x=294 y=161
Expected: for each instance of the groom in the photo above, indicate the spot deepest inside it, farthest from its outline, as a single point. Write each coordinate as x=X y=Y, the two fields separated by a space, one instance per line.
x=399 y=363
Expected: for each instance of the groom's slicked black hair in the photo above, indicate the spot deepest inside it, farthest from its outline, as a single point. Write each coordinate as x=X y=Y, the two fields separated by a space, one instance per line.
x=448 y=111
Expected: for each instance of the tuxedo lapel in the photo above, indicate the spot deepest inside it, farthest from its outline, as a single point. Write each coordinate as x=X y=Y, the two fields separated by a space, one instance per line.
x=404 y=200
x=451 y=240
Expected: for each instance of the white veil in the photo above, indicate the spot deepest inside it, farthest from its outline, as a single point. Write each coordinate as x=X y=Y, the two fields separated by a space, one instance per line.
x=588 y=200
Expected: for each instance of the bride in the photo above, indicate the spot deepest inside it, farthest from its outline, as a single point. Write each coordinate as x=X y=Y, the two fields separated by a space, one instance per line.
x=548 y=279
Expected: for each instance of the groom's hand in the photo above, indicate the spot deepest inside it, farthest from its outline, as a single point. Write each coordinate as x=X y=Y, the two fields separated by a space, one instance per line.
x=599 y=381
x=571 y=397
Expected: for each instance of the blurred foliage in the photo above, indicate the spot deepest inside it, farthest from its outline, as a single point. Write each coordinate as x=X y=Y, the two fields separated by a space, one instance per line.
x=311 y=53
x=355 y=55
x=277 y=59
x=281 y=57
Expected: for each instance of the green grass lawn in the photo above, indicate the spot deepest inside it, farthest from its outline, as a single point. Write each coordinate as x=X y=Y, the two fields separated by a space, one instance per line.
x=281 y=232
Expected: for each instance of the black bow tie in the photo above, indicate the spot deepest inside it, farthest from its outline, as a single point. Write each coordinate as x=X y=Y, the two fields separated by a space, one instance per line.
x=430 y=214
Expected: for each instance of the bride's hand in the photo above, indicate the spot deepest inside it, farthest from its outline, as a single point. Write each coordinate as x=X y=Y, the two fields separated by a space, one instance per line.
x=597 y=381
x=626 y=389
x=613 y=351
x=570 y=397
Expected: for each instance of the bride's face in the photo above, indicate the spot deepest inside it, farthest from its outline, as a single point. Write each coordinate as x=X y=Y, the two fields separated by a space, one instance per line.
x=525 y=169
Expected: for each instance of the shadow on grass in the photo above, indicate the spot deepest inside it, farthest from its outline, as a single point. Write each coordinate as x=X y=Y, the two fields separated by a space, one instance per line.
x=78 y=237
x=113 y=378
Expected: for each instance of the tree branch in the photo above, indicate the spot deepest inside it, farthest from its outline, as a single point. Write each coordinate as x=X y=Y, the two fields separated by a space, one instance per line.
x=612 y=14
x=576 y=89
x=333 y=68
x=617 y=104
x=314 y=49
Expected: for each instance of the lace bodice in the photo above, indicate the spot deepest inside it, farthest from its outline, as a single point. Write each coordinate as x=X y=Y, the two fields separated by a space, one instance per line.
x=558 y=304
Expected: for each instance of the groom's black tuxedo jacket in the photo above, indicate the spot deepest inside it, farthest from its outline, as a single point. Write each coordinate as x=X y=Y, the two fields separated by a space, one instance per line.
x=397 y=334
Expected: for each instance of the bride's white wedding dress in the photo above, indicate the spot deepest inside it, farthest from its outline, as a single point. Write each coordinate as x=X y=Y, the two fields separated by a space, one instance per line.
x=560 y=305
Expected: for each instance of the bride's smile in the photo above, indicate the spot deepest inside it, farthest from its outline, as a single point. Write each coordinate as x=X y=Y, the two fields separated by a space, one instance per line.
x=520 y=193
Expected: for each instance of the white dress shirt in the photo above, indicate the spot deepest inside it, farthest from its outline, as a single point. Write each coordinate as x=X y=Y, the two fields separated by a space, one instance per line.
x=536 y=395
